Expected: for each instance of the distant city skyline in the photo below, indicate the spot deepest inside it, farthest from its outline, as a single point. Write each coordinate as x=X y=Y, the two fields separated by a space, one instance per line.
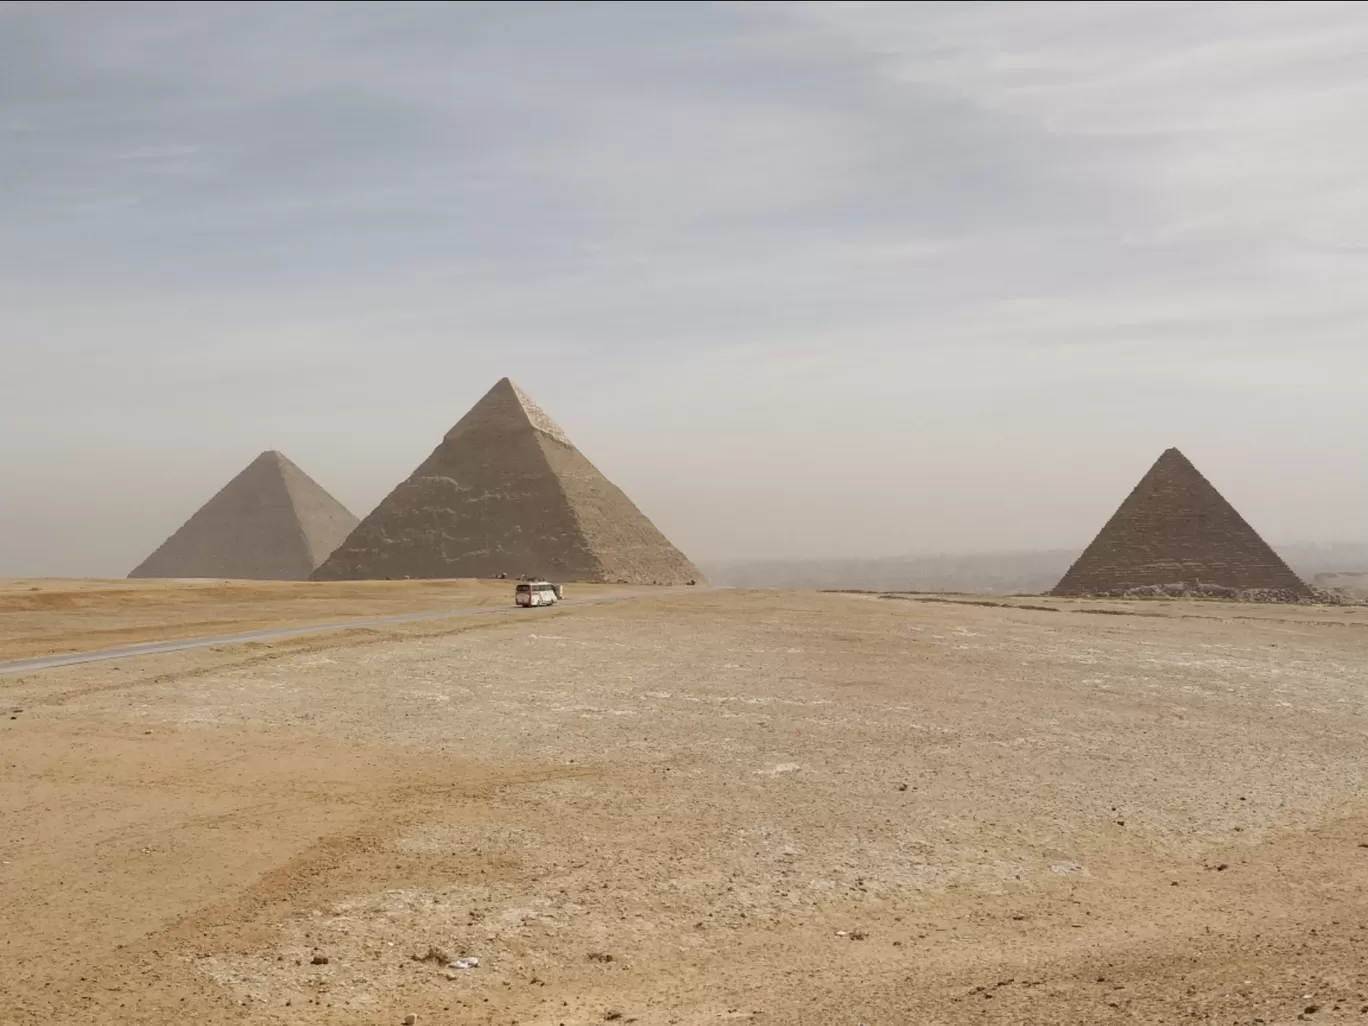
x=803 y=279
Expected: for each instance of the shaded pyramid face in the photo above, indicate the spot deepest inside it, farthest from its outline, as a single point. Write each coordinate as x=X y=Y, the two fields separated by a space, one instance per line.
x=270 y=523
x=1175 y=530
x=506 y=492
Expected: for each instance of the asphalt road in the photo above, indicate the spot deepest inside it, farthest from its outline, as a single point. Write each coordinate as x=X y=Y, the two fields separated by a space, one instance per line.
x=273 y=634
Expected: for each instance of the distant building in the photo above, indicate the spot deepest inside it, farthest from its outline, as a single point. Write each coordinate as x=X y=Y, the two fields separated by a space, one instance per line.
x=270 y=523
x=1176 y=533
x=506 y=487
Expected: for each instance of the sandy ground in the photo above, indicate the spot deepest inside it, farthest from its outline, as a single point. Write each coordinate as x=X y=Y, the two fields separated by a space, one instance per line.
x=51 y=617
x=702 y=807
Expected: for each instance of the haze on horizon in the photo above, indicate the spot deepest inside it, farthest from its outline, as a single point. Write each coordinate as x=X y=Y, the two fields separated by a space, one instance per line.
x=803 y=279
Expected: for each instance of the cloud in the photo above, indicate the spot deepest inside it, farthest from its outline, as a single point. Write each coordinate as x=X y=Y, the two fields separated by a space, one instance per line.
x=860 y=236
x=1234 y=121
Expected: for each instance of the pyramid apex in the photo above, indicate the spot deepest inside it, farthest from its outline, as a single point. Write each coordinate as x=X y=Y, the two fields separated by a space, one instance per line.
x=508 y=405
x=1173 y=457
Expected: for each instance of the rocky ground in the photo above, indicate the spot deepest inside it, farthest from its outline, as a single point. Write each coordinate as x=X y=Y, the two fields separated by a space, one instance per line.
x=699 y=807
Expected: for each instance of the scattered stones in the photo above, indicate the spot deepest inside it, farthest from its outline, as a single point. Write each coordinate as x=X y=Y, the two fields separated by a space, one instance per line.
x=434 y=954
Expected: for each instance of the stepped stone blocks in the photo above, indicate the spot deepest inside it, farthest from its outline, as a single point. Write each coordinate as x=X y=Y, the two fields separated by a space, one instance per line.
x=507 y=492
x=270 y=523
x=1175 y=534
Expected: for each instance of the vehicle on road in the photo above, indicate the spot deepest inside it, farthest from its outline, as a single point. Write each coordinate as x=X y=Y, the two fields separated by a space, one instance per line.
x=536 y=593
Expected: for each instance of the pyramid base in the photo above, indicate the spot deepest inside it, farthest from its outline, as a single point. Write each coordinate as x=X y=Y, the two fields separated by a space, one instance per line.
x=1197 y=590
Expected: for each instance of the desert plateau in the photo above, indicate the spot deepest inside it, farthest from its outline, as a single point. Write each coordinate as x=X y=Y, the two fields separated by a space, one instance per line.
x=683 y=806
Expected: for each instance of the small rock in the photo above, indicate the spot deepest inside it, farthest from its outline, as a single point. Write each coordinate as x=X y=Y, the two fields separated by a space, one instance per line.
x=599 y=956
x=410 y=1019
x=612 y=1016
x=902 y=787
x=469 y=962
x=318 y=959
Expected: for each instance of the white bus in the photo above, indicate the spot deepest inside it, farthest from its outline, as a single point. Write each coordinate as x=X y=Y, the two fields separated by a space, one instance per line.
x=536 y=593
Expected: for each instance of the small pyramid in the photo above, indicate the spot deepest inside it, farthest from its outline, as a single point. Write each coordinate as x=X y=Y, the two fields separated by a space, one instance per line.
x=270 y=523
x=1175 y=531
x=507 y=492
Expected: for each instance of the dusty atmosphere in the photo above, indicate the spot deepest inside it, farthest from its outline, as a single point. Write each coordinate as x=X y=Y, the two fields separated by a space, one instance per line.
x=702 y=806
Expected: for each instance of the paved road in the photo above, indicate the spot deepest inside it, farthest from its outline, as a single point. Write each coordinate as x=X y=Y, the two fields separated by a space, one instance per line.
x=275 y=633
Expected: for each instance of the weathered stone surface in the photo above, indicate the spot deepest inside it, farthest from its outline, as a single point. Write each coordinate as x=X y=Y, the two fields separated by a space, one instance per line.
x=1175 y=534
x=270 y=523
x=507 y=492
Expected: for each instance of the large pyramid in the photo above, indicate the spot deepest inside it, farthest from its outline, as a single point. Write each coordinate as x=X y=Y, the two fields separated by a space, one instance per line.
x=507 y=492
x=270 y=523
x=1176 y=532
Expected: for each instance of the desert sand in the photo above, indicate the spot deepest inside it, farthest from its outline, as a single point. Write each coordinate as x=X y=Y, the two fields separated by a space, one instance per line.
x=51 y=617
x=697 y=807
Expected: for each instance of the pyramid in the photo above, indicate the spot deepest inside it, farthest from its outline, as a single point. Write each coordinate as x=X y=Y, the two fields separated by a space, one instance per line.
x=270 y=523
x=1175 y=532
x=507 y=492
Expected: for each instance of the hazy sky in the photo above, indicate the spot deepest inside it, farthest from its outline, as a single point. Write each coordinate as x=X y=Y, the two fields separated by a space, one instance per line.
x=803 y=279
